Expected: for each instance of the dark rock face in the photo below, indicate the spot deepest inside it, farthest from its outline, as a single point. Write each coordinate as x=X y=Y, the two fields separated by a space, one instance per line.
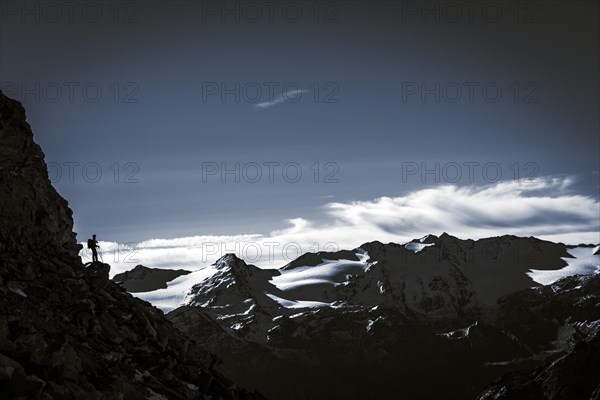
x=67 y=332
x=33 y=216
x=144 y=279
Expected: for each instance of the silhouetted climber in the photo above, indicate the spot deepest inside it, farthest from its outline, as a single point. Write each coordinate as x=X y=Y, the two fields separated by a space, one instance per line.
x=93 y=244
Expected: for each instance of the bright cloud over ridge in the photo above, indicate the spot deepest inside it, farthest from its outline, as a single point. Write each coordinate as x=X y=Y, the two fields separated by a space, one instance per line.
x=543 y=208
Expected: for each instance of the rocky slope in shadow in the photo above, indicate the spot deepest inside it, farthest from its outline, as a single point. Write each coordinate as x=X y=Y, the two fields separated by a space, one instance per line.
x=66 y=331
x=574 y=376
x=561 y=320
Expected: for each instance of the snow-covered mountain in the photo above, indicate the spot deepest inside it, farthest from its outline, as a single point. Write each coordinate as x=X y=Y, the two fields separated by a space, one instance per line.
x=435 y=276
x=391 y=316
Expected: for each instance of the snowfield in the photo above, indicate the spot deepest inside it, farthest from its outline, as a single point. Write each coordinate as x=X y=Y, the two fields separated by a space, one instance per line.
x=306 y=282
x=329 y=272
x=584 y=263
x=175 y=295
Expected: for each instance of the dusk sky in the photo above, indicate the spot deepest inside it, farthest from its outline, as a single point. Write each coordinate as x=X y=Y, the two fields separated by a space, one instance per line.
x=360 y=97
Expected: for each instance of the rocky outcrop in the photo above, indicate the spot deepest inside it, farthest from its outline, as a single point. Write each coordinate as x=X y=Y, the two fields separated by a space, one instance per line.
x=73 y=333
x=144 y=279
x=66 y=331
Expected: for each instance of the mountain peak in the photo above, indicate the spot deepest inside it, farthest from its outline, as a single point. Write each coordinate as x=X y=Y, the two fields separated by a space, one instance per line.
x=229 y=260
x=446 y=236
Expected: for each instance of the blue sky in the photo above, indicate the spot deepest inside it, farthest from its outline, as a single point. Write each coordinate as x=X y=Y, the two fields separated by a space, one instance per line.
x=370 y=96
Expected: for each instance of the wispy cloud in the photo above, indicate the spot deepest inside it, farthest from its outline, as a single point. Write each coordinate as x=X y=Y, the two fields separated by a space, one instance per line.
x=289 y=96
x=544 y=208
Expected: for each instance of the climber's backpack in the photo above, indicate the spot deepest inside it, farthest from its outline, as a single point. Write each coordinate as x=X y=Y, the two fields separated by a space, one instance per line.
x=90 y=244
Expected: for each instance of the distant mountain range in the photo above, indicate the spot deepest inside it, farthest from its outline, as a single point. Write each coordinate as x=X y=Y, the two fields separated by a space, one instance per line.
x=384 y=320
x=143 y=279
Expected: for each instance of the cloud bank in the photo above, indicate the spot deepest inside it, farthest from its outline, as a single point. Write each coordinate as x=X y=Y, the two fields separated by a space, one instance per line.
x=543 y=208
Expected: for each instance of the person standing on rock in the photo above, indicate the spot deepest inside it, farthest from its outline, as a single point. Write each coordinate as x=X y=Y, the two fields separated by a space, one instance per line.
x=93 y=244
